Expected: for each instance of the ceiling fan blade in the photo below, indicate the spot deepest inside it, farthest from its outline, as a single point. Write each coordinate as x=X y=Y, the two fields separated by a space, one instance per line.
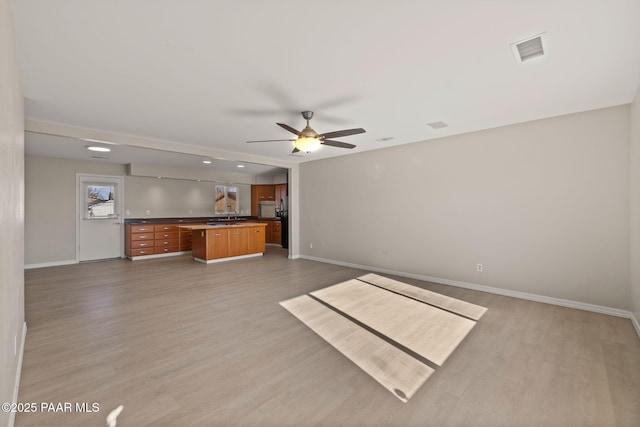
x=270 y=140
x=340 y=133
x=337 y=144
x=295 y=150
x=289 y=128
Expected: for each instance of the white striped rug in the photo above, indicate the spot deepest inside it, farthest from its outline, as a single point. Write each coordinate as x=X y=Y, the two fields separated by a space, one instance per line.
x=397 y=333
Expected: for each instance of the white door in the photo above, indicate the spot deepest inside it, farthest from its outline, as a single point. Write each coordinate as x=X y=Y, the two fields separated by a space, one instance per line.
x=100 y=201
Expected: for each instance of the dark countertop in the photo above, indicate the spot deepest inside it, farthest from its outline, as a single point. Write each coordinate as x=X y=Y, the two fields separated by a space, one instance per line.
x=189 y=220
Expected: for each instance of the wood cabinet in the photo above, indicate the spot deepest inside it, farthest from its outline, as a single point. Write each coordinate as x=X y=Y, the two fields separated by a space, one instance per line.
x=209 y=242
x=261 y=193
x=166 y=238
x=276 y=233
x=155 y=239
x=216 y=243
x=257 y=240
x=273 y=232
x=266 y=192
x=139 y=240
x=185 y=238
x=199 y=244
x=268 y=230
x=238 y=241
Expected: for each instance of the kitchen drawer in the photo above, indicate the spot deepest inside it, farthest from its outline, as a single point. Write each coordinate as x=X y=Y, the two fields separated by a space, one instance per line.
x=142 y=251
x=146 y=228
x=165 y=227
x=166 y=249
x=167 y=235
x=141 y=244
x=167 y=242
x=142 y=236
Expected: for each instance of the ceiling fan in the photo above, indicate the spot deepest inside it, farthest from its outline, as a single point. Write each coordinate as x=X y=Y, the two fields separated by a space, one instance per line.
x=309 y=140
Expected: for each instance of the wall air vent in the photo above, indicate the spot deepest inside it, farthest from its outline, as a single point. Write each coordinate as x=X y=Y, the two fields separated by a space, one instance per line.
x=533 y=47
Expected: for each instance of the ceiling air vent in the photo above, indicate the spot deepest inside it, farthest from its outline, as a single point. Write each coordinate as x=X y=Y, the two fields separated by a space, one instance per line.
x=530 y=48
x=438 y=125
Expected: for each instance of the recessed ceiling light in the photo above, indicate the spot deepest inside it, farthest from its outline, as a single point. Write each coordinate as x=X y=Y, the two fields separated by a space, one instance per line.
x=206 y=162
x=96 y=148
x=240 y=166
x=98 y=141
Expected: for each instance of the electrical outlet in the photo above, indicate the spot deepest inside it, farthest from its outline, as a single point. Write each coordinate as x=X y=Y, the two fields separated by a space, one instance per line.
x=310 y=245
x=479 y=267
x=148 y=212
x=190 y=211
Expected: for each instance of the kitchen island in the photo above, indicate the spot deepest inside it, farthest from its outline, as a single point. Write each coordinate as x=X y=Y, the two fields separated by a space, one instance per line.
x=224 y=242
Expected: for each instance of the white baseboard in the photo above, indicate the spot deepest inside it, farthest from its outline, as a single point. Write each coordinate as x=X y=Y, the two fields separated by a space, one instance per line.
x=635 y=323
x=50 y=264
x=498 y=291
x=16 y=384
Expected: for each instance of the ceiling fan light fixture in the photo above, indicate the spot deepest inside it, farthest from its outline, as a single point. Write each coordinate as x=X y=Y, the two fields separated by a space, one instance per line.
x=306 y=144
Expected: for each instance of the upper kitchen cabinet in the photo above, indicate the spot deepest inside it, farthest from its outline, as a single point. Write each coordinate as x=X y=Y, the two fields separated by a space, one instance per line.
x=261 y=193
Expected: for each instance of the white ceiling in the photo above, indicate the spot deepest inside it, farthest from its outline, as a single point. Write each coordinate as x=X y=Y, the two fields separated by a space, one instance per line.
x=218 y=73
x=37 y=144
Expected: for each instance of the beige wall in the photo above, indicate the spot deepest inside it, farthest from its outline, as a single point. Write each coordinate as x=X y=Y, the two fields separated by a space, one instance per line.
x=172 y=198
x=50 y=228
x=11 y=210
x=272 y=179
x=542 y=205
x=635 y=206
x=50 y=206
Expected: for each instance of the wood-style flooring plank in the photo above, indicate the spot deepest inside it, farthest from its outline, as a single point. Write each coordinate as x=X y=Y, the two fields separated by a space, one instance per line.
x=180 y=343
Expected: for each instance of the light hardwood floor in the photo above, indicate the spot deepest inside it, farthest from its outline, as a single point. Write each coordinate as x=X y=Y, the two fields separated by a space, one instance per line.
x=180 y=343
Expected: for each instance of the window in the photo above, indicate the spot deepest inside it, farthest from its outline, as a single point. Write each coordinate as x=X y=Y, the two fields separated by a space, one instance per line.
x=100 y=201
x=226 y=200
